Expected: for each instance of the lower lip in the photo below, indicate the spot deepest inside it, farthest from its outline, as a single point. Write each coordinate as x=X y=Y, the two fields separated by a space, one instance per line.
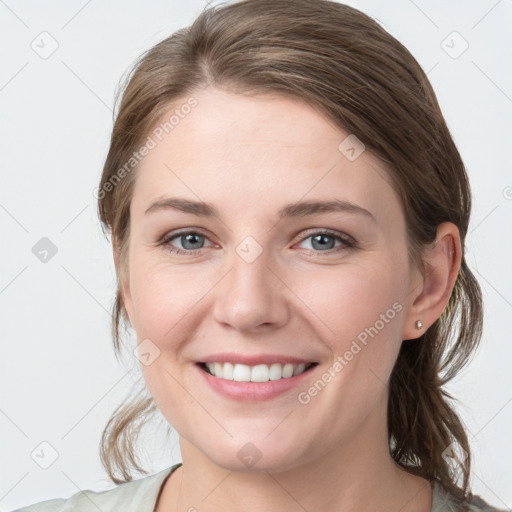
x=252 y=391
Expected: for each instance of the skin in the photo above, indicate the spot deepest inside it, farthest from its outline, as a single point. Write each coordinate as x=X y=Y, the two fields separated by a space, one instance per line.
x=249 y=156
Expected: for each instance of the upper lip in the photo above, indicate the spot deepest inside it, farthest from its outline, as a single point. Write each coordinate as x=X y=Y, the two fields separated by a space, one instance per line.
x=253 y=360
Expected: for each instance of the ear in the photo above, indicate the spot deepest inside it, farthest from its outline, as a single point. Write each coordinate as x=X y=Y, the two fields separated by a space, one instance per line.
x=124 y=283
x=431 y=291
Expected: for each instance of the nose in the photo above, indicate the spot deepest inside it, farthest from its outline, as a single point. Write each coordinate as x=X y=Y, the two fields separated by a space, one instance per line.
x=251 y=297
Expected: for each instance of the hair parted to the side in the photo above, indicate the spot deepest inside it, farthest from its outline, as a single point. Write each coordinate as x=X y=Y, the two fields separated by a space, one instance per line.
x=342 y=63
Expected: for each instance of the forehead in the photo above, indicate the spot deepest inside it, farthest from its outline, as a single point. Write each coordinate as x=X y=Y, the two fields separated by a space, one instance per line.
x=263 y=151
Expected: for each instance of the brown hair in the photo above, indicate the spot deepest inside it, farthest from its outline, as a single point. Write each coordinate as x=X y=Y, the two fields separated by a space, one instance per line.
x=346 y=66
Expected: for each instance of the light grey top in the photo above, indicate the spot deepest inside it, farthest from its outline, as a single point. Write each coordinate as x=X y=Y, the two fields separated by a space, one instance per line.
x=141 y=496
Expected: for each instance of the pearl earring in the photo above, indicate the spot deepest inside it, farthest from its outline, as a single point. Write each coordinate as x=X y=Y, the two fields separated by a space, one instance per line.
x=419 y=324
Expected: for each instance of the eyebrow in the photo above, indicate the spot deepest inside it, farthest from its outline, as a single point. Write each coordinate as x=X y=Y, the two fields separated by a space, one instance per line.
x=300 y=209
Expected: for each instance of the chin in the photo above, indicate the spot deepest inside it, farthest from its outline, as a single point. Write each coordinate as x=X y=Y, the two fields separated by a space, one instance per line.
x=256 y=454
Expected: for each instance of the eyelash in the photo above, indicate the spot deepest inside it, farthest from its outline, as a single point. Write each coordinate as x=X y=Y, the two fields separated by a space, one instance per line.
x=347 y=241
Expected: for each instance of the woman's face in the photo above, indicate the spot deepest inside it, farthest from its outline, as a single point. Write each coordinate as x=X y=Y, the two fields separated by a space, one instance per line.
x=265 y=276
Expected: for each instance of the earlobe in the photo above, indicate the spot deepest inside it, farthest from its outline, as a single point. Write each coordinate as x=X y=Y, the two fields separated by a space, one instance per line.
x=429 y=298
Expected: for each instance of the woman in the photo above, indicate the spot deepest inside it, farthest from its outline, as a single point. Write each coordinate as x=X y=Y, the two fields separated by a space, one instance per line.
x=288 y=214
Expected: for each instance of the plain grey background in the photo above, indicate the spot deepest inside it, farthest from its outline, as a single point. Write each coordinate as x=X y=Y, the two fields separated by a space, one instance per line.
x=61 y=62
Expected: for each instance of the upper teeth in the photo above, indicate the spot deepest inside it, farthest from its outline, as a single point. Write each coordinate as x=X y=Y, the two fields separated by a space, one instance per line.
x=258 y=373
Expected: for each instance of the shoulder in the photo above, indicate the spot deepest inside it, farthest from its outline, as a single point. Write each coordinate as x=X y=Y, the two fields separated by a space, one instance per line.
x=479 y=505
x=137 y=495
x=445 y=502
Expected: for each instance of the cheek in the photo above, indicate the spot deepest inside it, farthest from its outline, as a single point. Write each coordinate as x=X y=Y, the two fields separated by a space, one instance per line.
x=349 y=300
x=163 y=295
x=359 y=313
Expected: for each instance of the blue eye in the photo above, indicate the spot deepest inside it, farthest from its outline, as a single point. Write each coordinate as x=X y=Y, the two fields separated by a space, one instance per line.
x=324 y=241
x=191 y=241
x=321 y=242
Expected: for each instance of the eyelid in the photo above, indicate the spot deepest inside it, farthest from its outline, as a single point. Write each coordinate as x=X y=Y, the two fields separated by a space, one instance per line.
x=347 y=241
x=326 y=231
x=185 y=231
x=304 y=234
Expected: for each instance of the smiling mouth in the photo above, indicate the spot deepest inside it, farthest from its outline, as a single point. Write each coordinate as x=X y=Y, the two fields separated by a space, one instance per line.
x=257 y=373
